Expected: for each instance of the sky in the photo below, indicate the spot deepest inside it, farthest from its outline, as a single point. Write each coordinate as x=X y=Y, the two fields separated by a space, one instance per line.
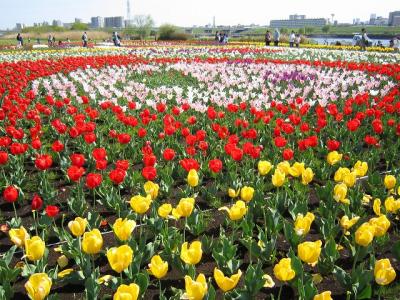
x=191 y=12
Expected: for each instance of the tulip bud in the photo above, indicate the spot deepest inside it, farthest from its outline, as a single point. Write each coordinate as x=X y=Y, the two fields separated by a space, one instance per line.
x=34 y=248
x=309 y=252
x=77 y=226
x=92 y=242
x=120 y=258
x=264 y=167
x=389 y=181
x=193 y=178
x=283 y=271
x=246 y=193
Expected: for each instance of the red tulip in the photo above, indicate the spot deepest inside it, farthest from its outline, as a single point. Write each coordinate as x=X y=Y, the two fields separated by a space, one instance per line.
x=287 y=154
x=77 y=159
x=93 y=180
x=10 y=194
x=52 y=211
x=189 y=163
x=3 y=157
x=149 y=173
x=215 y=165
x=333 y=145
x=169 y=154
x=37 y=202
x=280 y=142
x=99 y=153
x=43 y=162
x=75 y=173
x=117 y=176
x=57 y=146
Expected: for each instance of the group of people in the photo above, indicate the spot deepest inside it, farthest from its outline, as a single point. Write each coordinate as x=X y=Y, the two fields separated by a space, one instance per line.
x=221 y=37
x=294 y=38
x=116 y=39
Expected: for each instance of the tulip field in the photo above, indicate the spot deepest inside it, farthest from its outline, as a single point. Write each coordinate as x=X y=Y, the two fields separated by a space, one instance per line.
x=173 y=171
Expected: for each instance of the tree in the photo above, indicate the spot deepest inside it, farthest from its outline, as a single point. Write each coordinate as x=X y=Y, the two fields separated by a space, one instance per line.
x=80 y=26
x=309 y=30
x=326 y=28
x=142 y=25
x=166 y=31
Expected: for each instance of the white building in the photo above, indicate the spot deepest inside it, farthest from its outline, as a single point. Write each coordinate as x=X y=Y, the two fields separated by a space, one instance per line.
x=114 y=22
x=97 y=22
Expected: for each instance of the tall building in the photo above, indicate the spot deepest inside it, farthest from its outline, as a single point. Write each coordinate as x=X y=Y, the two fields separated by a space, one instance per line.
x=19 y=26
x=97 y=22
x=298 y=21
x=78 y=20
x=372 y=19
x=57 y=23
x=394 y=19
x=114 y=22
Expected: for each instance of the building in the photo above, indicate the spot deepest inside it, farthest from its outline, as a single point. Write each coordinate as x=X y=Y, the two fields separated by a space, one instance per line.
x=114 y=22
x=78 y=20
x=97 y=22
x=372 y=19
x=393 y=21
x=57 y=23
x=381 y=21
x=298 y=21
x=19 y=26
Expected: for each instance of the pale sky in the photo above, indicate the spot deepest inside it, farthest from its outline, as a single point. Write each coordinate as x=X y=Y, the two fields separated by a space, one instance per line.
x=191 y=12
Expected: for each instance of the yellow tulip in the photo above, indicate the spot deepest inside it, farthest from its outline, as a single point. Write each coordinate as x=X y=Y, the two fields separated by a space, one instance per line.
x=193 y=178
x=127 y=292
x=140 y=204
x=269 y=282
x=92 y=242
x=278 y=179
x=350 y=179
x=237 y=210
x=340 y=193
x=64 y=273
x=184 y=208
x=392 y=205
x=18 y=236
x=333 y=157
x=366 y=199
x=123 y=228
x=226 y=283
x=361 y=168
x=62 y=261
x=77 y=226
x=247 y=193
x=297 y=169
x=158 y=267
x=34 y=248
x=284 y=167
x=164 y=210
x=377 y=206
x=323 y=296
x=389 y=181
x=120 y=258
x=38 y=286
x=283 y=271
x=381 y=225
x=232 y=193
x=264 y=167
x=195 y=290
x=309 y=252
x=191 y=255
x=384 y=272
x=340 y=173
x=151 y=189
x=347 y=223
x=302 y=223
x=307 y=176
x=365 y=234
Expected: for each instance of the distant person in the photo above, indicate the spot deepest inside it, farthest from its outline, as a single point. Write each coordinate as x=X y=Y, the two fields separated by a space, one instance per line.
x=225 y=39
x=85 y=39
x=38 y=41
x=364 y=40
x=221 y=37
x=292 y=37
x=54 y=40
x=116 y=39
x=267 y=38
x=277 y=36
x=216 y=38
x=297 y=40
x=50 y=40
x=396 y=44
x=20 y=40
x=29 y=40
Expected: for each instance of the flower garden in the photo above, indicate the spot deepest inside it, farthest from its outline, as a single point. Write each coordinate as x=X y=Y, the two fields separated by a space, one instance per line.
x=178 y=171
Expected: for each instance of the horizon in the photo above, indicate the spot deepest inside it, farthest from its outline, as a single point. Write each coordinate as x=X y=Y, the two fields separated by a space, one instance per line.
x=185 y=14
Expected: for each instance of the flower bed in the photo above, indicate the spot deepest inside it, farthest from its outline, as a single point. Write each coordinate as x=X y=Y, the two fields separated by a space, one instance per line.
x=199 y=172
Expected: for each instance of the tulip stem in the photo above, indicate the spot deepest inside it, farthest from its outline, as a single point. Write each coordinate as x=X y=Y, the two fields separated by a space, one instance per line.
x=355 y=261
x=35 y=221
x=184 y=230
x=280 y=292
x=15 y=211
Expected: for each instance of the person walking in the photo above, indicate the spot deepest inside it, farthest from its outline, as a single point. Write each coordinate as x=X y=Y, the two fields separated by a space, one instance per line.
x=85 y=39
x=364 y=40
x=277 y=36
x=216 y=38
x=50 y=40
x=20 y=41
x=292 y=37
x=267 y=38
x=297 y=40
